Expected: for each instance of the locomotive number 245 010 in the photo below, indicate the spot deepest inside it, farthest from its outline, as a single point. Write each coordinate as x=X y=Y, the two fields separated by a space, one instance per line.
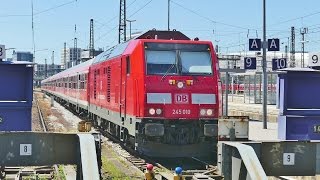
x=181 y=111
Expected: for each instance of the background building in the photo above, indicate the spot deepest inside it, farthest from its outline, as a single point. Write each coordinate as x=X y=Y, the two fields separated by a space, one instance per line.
x=70 y=57
x=85 y=54
x=22 y=56
x=46 y=70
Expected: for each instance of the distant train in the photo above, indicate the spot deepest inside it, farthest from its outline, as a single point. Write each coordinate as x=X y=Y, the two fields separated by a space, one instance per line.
x=159 y=93
x=241 y=88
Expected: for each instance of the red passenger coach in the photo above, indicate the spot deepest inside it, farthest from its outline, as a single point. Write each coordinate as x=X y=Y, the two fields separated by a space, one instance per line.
x=70 y=86
x=158 y=92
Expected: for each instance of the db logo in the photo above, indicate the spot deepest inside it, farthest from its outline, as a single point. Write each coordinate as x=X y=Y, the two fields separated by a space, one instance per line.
x=181 y=98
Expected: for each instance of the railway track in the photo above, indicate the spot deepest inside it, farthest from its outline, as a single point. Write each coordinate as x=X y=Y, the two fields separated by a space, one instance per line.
x=42 y=172
x=41 y=119
x=163 y=169
x=45 y=129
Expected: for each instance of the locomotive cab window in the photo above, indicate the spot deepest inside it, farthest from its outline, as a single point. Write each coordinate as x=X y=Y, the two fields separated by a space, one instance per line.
x=195 y=62
x=180 y=59
x=161 y=62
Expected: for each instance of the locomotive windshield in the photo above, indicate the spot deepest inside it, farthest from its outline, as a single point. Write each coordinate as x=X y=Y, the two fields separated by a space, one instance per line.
x=181 y=59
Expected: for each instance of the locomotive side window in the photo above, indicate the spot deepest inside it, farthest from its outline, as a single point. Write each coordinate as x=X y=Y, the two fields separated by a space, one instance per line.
x=128 y=64
x=178 y=59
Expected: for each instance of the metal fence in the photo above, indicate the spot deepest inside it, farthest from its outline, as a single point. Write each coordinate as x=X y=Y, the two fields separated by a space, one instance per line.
x=249 y=86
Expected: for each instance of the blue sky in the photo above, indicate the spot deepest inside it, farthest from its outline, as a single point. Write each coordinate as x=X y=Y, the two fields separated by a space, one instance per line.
x=228 y=23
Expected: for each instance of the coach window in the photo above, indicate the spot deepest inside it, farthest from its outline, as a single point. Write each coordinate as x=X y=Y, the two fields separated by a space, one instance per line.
x=85 y=81
x=128 y=64
x=75 y=82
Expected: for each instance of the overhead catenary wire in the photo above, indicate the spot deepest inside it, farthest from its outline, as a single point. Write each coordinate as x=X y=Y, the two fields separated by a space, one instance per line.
x=284 y=22
x=240 y=44
x=142 y=7
x=14 y=15
x=294 y=19
x=55 y=7
x=312 y=30
x=112 y=29
x=288 y=31
x=297 y=18
x=114 y=17
x=209 y=19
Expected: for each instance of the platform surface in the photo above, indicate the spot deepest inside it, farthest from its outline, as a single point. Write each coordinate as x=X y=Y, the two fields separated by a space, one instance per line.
x=257 y=133
x=237 y=107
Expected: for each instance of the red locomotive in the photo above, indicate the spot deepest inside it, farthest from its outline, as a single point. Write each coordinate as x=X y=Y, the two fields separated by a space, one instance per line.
x=158 y=92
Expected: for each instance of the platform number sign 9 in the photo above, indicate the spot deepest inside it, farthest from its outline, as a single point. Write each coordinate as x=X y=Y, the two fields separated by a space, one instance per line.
x=25 y=149
x=250 y=63
x=288 y=159
x=314 y=59
x=280 y=63
x=2 y=52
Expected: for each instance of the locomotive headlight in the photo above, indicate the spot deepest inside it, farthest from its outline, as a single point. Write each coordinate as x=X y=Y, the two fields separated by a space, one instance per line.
x=202 y=112
x=209 y=112
x=158 y=111
x=180 y=84
x=152 y=111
